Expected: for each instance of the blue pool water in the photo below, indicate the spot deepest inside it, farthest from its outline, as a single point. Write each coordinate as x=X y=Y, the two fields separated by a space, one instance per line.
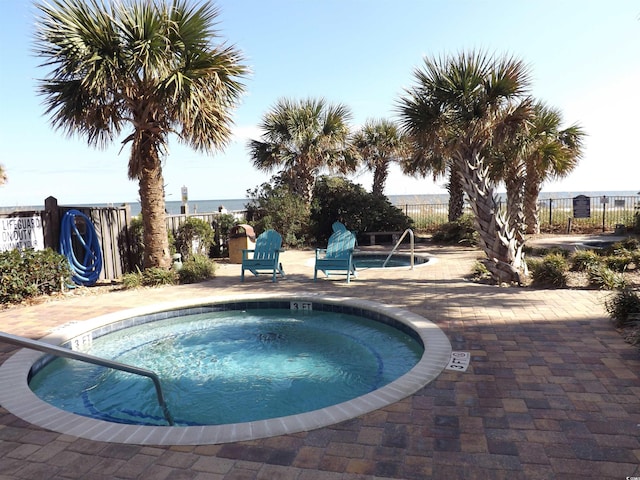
x=232 y=366
x=369 y=260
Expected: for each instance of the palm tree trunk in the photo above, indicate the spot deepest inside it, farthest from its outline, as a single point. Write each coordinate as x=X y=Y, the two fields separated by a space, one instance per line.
x=503 y=250
x=380 y=175
x=456 y=193
x=515 y=203
x=151 y=190
x=532 y=189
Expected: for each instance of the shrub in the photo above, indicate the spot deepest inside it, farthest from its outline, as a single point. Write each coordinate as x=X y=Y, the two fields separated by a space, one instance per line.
x=336 y=198
x=551 y=271
x=460 y=231
x=136 y=234
x=603 y=277
x=132 y=280
x=196 y=269
x=29 y=273
x=480 y=272
x=155 y=276
x=532 y=264
x=272 y=205
x=624 y=307
x=618 y=263
x=194 y=236
x=627 y=245
x=583 y=260
x=630 y=243
x=150 y=277
x=223 y=224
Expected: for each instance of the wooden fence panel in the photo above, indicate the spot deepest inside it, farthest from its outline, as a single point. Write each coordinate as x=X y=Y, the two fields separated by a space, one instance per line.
x=112 y=229
x=174 y=221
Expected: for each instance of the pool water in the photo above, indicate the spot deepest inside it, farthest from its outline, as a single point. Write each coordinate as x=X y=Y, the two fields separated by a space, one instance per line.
x=232 y=366
x=363 y=261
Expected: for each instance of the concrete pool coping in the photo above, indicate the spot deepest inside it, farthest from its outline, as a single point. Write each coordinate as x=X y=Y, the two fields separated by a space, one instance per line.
x=17 y=397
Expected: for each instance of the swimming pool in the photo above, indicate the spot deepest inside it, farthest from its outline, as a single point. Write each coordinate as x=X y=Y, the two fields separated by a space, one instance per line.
x=364 y=260
x=16 y=396
x=232 y=366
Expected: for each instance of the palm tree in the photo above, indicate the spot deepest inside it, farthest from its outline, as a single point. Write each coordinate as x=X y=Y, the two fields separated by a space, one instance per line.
x=460 y=108
x=506 y=164
x=551 y=152
x=379 y=143
x=3 y=175
x=303 y=138
x=424 y=161
x=147 y=65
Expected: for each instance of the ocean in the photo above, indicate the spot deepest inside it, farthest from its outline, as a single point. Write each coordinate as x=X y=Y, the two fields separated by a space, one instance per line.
x=235 y=204
x=238 y=204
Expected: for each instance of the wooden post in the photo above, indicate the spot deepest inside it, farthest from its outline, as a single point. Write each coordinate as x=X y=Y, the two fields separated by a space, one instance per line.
x=128 y=261
x=51 y=220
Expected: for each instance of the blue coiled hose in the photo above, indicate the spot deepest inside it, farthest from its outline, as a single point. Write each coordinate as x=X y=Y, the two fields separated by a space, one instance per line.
x=88 y=270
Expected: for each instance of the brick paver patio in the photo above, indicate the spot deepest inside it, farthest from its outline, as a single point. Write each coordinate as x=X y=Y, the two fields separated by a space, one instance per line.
x=552 y=391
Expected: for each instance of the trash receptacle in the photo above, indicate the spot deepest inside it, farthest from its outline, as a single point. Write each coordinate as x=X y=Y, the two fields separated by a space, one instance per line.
x=620 y=229
x=241 y=237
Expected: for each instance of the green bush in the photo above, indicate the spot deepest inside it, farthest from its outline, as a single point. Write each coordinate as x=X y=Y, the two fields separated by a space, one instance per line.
x=150 y=277
x=155 y=276
x=196 y=269
x=273 y=206
x=132 y=280
x=624 y=307
x=532 y=264
x=460 y=231
x=29 y=273
x=223 y=224
x=337 y=198
x=194 y=236
x=603 y=277
x=583 y=260
x=136 y=234
x=480 y=272
x=627 y=245
x=551 y=271
x=618 y=263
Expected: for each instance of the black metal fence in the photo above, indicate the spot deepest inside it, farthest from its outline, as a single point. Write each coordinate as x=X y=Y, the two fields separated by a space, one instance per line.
x=555 y=214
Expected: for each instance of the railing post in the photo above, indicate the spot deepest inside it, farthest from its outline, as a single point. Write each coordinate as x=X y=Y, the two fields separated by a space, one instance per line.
x=85 y=357
x=550 y=212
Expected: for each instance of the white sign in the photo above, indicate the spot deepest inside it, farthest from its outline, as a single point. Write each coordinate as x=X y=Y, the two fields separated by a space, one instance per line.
x=459 y=361
x=303 y=306
x=21 y=233
x=82 y=343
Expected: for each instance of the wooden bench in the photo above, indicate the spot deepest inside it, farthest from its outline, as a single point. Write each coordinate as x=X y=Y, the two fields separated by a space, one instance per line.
x=395 y=236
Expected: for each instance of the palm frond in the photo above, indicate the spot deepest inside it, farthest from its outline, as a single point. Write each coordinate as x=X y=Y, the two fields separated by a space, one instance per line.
x=151 y=64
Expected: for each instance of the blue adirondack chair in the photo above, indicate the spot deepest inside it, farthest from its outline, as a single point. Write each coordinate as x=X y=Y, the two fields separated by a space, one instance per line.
x=266 y=255
x=338 y=256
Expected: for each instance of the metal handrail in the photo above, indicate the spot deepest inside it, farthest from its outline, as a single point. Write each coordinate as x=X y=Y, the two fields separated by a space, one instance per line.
x=84 y=357
x=412 y=243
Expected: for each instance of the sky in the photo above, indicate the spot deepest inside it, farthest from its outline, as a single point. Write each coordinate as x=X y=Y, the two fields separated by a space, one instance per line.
x=583 y=56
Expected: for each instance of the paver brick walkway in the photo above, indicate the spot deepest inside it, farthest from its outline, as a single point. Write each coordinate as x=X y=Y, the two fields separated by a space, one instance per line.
x=552 y=391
